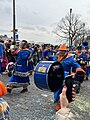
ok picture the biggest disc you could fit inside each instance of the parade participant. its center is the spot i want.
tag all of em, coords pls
(35, 55)
(4, 62)
(30, 60)
(4, 107)
(1, 53)
(87, 59)
(82, 57)
(20, 77)
(10, 57)
(40, 52)
(80, 52)
(48, 54)
(68, 63)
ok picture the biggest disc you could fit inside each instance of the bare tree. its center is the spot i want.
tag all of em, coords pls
(70, 28)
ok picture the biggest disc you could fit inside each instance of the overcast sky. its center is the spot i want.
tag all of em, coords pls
(35, 19)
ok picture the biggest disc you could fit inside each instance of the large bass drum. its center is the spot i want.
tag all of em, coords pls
(49, 75)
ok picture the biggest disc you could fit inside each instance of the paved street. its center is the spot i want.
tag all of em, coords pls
(38, 105)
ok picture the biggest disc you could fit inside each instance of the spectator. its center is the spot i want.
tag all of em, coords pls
(4, 62)
(4, 107)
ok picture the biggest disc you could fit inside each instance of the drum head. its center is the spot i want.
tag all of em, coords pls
(55, 76)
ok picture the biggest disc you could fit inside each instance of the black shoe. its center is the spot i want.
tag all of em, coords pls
(24, 90)
(9, 90)
(57, 101)
(86, 77)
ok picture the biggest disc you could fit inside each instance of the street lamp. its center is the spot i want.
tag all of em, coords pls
(83, 32)
(70, 40)
(14, 29)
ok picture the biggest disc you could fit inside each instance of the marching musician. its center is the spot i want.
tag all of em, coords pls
(68, 63)
(20, 75)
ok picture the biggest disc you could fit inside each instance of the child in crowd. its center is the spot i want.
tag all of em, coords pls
(4, 107)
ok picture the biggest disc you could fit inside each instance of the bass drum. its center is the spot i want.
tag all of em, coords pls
(49, 75)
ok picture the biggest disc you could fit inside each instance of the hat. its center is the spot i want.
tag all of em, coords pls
(3, 89)
(63, 47)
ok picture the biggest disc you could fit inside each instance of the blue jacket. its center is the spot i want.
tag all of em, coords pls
(68, 64)
(22, 60)
(1, 50)
(49, 54)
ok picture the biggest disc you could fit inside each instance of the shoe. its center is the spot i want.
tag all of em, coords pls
(86, 77)
(24, 90)
(4, 73)
(58, 107)
(9, 90)
(56, 101)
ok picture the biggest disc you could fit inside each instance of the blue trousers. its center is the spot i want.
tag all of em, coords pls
(56, 94)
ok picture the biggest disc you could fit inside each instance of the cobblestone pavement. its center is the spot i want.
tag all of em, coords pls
(38, 105)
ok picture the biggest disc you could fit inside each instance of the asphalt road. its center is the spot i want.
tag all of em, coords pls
(37, 104)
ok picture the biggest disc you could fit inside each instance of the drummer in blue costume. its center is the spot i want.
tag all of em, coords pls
(85, 55)
(21, 71)
(68, 63)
